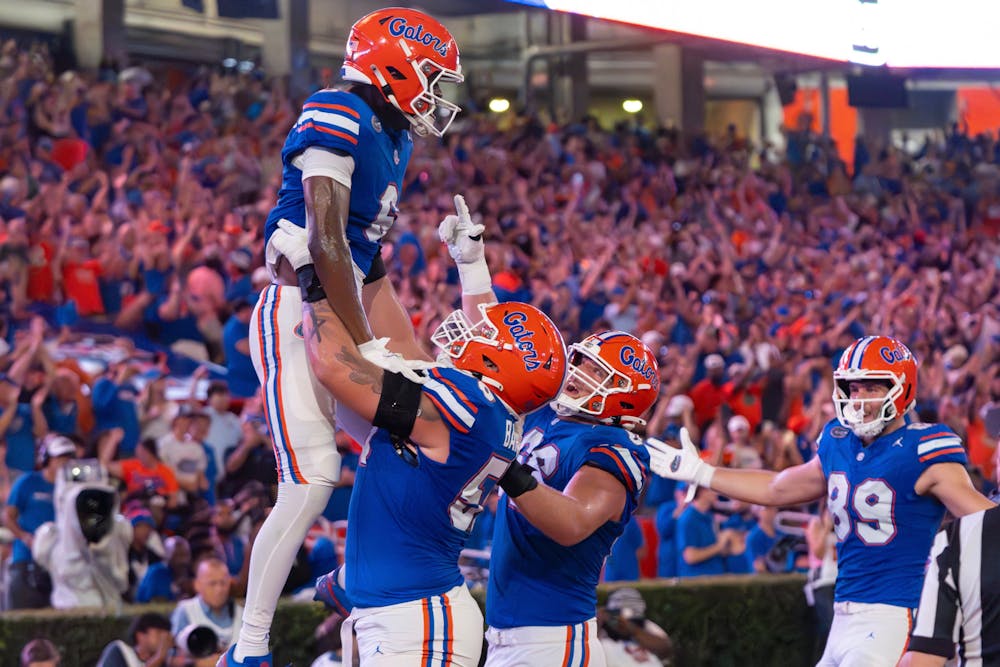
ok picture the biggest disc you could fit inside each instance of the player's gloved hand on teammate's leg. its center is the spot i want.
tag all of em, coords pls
(466, 247)
(376, 352)
(330, 591)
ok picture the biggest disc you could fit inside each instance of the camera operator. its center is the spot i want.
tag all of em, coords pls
(150, 644)
(212, 609)
(628, 637)
(86, 548)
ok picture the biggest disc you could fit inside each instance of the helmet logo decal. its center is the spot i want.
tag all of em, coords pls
(639, 365)
(522, 336)
(398, 27)
(892, 355)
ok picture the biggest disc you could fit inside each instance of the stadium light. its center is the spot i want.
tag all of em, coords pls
(499, 104)
(632, 106)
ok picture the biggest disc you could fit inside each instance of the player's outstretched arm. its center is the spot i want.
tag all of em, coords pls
(917, 659)
(592, 498)
(467, 247)
(327, 210)
(950, 483)
(798, 484)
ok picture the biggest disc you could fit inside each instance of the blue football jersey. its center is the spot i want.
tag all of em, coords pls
(884, 529)
(341, 121)
(534, 580)
(409, 520)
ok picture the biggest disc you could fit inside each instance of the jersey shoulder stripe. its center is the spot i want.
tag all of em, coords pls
(455, 405)
(615, 457)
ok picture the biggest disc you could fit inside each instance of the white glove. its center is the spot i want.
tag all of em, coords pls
(466, 247)
(376, 352)
(684, 464)
(292, 242)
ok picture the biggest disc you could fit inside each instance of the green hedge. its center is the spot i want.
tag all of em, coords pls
(715, 622)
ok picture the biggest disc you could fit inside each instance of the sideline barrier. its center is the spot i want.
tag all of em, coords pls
(716, 622)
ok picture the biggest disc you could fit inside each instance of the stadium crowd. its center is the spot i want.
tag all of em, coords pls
(133, 204)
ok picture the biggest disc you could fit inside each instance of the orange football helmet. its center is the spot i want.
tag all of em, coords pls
(875, 358)
(618, 385)
(406, 54)
(514, 349)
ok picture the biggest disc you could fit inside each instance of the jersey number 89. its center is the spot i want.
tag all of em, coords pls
(872, 500)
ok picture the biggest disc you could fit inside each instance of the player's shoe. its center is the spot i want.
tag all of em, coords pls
(229, 660)
(330, 593)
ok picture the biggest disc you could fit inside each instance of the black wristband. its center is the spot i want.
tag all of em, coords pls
(309, 285)
(517, 480)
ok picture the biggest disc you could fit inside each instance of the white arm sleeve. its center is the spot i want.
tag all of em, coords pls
(320, 162)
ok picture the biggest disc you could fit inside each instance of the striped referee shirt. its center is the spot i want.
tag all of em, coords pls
(960, 603)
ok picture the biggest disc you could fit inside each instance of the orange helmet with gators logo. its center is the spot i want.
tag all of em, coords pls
(612, 377)
(514, 349)
(875, 358)
(406, 54)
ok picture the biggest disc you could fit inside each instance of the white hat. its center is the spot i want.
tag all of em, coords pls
(678, 404)
(715, 361)
(738, 423)
(58, 445)
(652, 339)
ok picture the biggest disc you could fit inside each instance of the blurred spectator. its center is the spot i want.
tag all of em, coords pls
(628, 637)
(701, 548)
(666, 527)
(61, 408)
(622, 563)
(156, 411)
(240, 374)
(149, 643)
(145, 550)
(226, 519)
(170, 579)
(761, 538)
(709, 393)
(115, 400)
(30, 505)
(146, 476)
(184, 456)
(86, 547)
(328, 642)
(224, 431)
(822, 543)
(40, 653)
(212, 607)
(740, 452)
(253, 459)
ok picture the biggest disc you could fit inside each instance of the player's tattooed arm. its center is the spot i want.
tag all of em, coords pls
(332, 352)
(363, 372)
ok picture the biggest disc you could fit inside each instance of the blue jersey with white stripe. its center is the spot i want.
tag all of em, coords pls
(533, 579)
(340, 121)
(408, 523)
(884, 529)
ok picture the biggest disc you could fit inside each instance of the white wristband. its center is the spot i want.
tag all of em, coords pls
(704, 474)
(475, 278)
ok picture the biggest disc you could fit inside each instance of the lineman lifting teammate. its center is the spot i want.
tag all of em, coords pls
(344, 161)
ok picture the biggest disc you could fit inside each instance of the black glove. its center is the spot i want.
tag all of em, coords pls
(517, 480)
